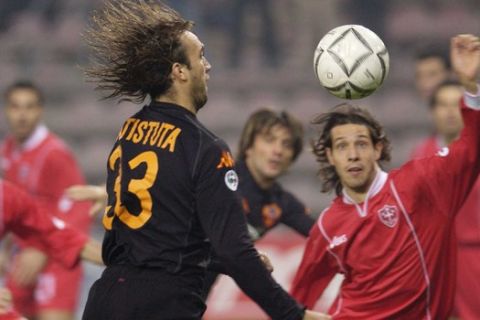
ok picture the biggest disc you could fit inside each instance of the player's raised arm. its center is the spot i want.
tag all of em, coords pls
(27, 220)
(297, 217)
(450, 174)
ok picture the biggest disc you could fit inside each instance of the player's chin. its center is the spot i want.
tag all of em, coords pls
(273, 173)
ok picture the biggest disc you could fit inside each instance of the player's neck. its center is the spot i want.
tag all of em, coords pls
(20, 140)
(359, 194)
(355, 195)
(449, 138)
(263, 182)
(184, 102)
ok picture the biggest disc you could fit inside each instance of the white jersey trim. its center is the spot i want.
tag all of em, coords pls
(329, 240)
(472, 100)
(39, 134)
(375, 187)
(419, 247)
(339, 305)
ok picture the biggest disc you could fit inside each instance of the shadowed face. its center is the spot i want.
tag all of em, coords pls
(23, 112)
(199, 68)
(271, 153)
(429, 73)
(446, 111)
(354, 156)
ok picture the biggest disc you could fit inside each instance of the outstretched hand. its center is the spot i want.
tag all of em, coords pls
(97, 194)
(465, 59)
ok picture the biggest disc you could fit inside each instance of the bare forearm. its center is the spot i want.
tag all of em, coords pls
(92, 251)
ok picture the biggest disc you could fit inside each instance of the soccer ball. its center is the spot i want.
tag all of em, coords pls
(351, 61)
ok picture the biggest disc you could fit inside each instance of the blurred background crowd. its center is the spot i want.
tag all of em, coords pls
(261, 52)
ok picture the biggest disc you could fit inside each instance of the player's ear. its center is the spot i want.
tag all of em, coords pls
(329, 156)
(179, 71)
(378, 150)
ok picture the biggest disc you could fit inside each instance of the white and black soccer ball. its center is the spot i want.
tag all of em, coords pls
(351, 61)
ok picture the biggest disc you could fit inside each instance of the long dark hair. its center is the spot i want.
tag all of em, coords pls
(134, 44)
(344, 114)
(262, 121)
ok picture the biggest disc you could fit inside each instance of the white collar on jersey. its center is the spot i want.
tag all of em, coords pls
(440, 141)
(39, 134)
(375, 188)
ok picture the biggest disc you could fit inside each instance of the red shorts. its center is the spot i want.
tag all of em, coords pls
(57, 288)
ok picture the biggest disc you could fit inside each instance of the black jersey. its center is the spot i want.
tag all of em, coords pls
(171, 186)
(265, 208)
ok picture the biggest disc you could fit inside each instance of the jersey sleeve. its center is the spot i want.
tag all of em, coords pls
(296, 216)
(448, 176)
(30, 222)
(61, 165)
(221, 216)
(315, 271)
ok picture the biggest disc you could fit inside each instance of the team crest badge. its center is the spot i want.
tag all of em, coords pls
(231, 180)
(388, 215)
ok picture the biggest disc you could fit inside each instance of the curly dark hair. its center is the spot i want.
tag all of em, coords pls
(262, 121)
(344, 114)
(134, 44)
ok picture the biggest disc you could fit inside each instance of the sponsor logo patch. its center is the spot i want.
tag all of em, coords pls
(388, 215)
(338, 240)
(443, 152)
(231, 180)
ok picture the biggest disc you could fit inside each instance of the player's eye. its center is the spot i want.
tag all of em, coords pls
(287, 144)
(341, 146)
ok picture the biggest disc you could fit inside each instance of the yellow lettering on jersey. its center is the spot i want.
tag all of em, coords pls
(125, 127)
(156, 134)
(161, 134)
(132, 130)
(139, 134)
(151, 126)
(171, 140)
(166, 127)
(226, 160)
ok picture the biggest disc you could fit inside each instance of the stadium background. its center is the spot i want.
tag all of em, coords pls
(261, 53)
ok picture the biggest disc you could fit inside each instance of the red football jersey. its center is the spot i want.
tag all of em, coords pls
(467, 226)
(21, 215)
(468, 218)
(397, 249)
(45, 167)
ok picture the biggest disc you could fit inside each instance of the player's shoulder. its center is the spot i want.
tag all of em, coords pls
(336, 211)
(425, 148)
(54, 143)
(289, 200)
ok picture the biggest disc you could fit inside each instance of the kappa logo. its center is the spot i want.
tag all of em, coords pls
(226, 160)
(338, 240)
(231, 180)
(388, 215)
